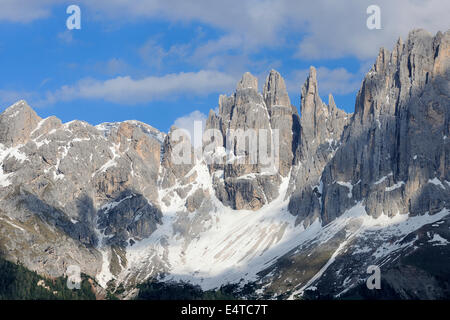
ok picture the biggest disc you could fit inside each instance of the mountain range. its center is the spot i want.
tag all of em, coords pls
(350, 191)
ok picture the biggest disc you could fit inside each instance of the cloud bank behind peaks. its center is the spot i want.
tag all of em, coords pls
(129, 91)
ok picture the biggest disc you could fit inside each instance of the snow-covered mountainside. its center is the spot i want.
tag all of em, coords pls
(346, 191)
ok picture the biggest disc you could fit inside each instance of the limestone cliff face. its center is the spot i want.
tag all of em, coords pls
(395, 153)
(284, 117)
(392, 153)
(391, 159)
(321, 128)
(252, 184)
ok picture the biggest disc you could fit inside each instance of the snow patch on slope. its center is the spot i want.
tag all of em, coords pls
(383, 227)
(235, 245)
(5, 153)
(347, 185)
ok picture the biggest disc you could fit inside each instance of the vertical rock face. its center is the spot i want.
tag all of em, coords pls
(174, 170)
(395, 156)
(392, 152)
(320, 123)
(392, 158)
(274, 92)
(283, 117)
(251, 184)
(321, 129)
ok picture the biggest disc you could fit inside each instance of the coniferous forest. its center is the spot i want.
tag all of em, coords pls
(19, 283)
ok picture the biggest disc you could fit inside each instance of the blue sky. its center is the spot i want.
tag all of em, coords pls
(162, 63)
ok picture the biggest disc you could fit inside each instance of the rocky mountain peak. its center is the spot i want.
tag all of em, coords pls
(310, 99)
(310, 84)
(313, 110)
(331, 103)
(417, 35)
(248, 81)
(17, 123)
(18, 106)
(274, 92)
(401, 74)
(311, 79)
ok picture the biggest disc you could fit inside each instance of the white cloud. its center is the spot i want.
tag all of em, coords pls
(187, 123)
(337, 30)
(25, 11)
(153, 54)
(331, 29)
(255, 19)
(126, 90)
(112, 67)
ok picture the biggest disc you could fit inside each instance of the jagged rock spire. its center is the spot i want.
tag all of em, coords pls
(274, 91)
(310, 99)
(312, 108)
(248, 81)
(331, 103)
